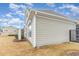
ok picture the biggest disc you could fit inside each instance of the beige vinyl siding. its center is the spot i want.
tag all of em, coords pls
(52, 31)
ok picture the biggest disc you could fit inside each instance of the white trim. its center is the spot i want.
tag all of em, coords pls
(52, 15)
(34, 31)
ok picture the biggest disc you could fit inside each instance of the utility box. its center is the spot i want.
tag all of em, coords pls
(19, 34)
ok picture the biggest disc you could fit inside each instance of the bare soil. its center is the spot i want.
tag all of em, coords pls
(8, 47)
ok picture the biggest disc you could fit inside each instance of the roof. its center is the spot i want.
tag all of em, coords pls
(53, 13)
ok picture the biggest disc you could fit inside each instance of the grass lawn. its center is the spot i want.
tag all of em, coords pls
(9, 47)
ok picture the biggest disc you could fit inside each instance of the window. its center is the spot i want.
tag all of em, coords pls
(30, 33)
(29, 28)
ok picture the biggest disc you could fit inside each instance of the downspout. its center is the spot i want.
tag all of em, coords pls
(35, 30)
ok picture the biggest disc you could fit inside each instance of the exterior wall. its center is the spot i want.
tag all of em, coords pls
(52, 31)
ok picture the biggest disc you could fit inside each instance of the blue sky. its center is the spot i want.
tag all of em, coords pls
(12, 14)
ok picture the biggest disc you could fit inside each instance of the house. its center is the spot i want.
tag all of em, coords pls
(9, 30)
(43, 27)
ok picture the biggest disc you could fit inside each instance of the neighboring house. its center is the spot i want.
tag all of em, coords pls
(1, 31)
(45, 27)
(9, 30)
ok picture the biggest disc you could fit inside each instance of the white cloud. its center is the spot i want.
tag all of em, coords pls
(12, 22)
(8, 15)
(23, 6)
(9, 19)
(16, 6)
(51, 4)
(75, 9)
(5, 24)
(15, 21)
(72, 10)
(13, 6)
(3, 20)
(20, 13)
(29, 4)
(0, 20)
(18, 9)
(71, 7)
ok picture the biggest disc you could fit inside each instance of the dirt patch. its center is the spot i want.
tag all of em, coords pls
(72, 53)
(10, 48)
